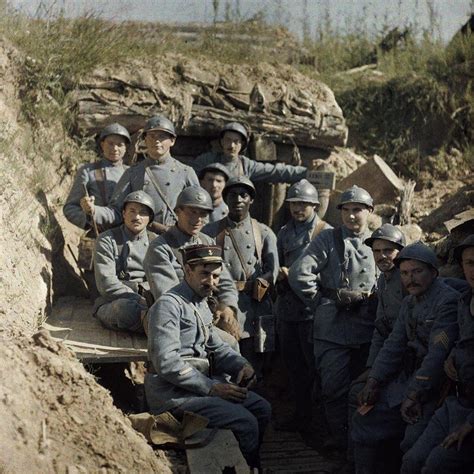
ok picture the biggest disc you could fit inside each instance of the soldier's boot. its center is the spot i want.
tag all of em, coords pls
(365, 458)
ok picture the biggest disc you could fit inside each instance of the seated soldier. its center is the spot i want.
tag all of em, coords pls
(403, 386)
(213, 178)
(251, 256)
(118, 265)
(233, 139)
(159, 175)
(294, 320)
(180, 338)
(164, 263)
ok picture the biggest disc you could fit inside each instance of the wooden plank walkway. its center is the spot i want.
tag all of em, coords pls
(283, 452)
(72, 323)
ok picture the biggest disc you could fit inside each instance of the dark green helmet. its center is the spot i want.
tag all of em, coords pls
(356, 195)
(238, 128)
(387, 232)
(158, 122)
(459, 249)
(114, 129)
(195, 196)
(303, 191)
(142, 198)
(418, 251)
(239, 181)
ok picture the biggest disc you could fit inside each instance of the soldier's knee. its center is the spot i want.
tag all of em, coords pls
(439, 461)
(412, 462)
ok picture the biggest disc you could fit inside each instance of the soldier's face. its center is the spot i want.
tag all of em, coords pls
(354, 216)
(468, 265)
(135, 217)
(301, 211)
(113, 148)
(214, 184)
(231, 143)
(384, 254)
(239, 201)
(203, 279)
(158, 143)
(191, 219)
(416, 276)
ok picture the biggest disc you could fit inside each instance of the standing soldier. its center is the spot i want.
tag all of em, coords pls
(164, 261)
(404, 383)
(159, 175)
(92, 189)
(213, 178)
(182, 377)
(234, 139)
(251, 256)
(446, 444)
(294, 320)
(335, 277)
(118, 264)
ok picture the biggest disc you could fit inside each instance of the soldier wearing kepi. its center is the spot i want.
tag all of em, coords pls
(446, 444)
(335, 277)
(164, 262)
(159, 175)
(234, 139)
(403, 386)
(250, 255)
(294, 320)
(100, 178)
(118, 264)
(181, 336)
(213, 178)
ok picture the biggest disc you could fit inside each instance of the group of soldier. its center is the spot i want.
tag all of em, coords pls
(363, 322)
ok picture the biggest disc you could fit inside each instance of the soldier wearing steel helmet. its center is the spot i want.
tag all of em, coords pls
(335, 277)
(294, 320)
(213, 179)
(159, 175)
(118, 266)
(251, 257)
(99, 178)
(234, 139)
(164, 263)
(403, 386)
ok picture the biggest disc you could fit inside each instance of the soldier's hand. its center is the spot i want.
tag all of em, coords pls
(457, 436)
(246, 377)
(370, 393)
(450, 368)
(362, 377)
(348, 298)
(227, 321)
(229, 391)
(283, 273)
(87, 205)
(158, 228)
(411, 411)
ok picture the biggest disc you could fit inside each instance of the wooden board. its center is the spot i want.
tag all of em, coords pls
(322, 179)
(72, 323)
(221, 453)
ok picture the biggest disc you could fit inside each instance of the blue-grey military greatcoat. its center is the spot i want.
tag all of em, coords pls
(118, 267)
(341, 335)
(169, 176)
(254, 170)
(100, 178)
(219, 212)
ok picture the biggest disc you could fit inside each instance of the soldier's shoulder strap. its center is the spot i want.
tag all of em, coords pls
(339, 243)
(257, 235)
(172, 241)
(318, 228)
(117, 235)
(99, 176)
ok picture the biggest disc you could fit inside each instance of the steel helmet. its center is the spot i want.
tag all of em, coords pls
(239, 181)
(459, 249)
(418, 251)
(303, 191)
(114, 129)
(158, 122)
(195, 196)
(356, 195)
(387, 232)
(142, 198)
(215, 167)
(238, 128)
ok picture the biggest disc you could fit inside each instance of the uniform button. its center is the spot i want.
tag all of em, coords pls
(129, 258)
(167, 184)
(365, 256)
(249, 262)
(362, 285)
(247, 232)
(228, 265)
(363, 270)
(249, 246)
(146, 182)
(226, 248)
